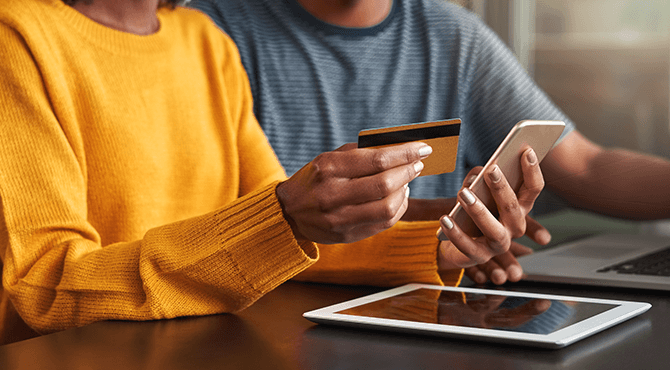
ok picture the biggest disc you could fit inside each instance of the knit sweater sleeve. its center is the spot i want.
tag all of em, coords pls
(58, 272)
(405, 253)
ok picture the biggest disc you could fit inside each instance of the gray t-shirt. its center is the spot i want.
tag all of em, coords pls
(316, 85)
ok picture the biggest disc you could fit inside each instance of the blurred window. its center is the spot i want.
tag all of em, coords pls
(606, 63)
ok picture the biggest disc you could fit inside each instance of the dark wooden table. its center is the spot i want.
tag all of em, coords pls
(272, 334)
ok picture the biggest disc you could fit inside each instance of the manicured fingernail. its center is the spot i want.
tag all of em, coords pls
(425, 151)
(468, 197)
(532, 158)
(495, 174)
(418, 166)
(446, 222)
(470, 180)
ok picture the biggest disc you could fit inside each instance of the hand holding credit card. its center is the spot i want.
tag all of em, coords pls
(442, 136)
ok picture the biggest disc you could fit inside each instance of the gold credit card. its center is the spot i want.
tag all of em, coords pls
(442, 136)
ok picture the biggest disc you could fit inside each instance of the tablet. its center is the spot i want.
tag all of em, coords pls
(540, 320)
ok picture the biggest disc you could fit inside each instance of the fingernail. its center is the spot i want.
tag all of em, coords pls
(495, 174)
(468, 197)
(470, 180)
(418, 166)
(406, 191)
(532, 158)
(446, 222)
(425, 151)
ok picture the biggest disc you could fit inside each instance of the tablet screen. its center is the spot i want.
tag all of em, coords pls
(481, 310)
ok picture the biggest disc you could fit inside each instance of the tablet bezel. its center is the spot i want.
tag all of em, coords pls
(557, 339)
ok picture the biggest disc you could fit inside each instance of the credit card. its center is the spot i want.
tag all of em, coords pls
(442, 136)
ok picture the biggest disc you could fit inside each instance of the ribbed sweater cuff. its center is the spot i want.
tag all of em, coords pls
(413, 253)
(249, 239)
(406, 253)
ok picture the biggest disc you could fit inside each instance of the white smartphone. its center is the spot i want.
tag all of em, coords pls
(539, 135)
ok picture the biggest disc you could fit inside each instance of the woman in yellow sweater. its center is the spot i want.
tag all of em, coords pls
(135, 183)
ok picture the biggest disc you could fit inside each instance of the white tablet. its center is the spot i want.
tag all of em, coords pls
(540, 320)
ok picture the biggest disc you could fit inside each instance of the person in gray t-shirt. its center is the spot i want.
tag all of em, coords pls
(320, 71)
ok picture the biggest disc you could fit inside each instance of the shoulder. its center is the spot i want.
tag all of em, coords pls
(29, 14)
(442, 13)
(189, 19)
(198, 28)
(31, 26)
(452, 23)
(445, 22)
(239, 16)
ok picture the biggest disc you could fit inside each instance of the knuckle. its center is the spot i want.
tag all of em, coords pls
(512, 207)
(324, 204)
(535, 183)
(476, 254)
(331, 223)
(388, 213)
(380, 160)
(323, 167)
(517, 231)
(383, 186)
(537, 186)
(500, 243)
(480, 258)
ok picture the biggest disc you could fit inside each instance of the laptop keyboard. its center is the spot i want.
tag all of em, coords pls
(656, 263)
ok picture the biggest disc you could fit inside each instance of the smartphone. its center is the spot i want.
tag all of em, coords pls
(539, 135)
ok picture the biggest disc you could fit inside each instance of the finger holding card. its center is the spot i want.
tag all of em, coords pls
(350, 194)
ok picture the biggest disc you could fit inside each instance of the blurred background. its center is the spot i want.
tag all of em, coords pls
(605, 63)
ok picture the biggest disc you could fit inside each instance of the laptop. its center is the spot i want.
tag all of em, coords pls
(617, 260)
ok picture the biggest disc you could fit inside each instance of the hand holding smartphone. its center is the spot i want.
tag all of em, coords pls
(539, 135)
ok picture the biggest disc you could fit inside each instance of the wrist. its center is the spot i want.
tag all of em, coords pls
(284, 198)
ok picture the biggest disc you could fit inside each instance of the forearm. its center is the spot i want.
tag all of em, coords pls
(215, 263)
(619, 183)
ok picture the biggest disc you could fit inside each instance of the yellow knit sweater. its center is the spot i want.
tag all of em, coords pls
(136, 184)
